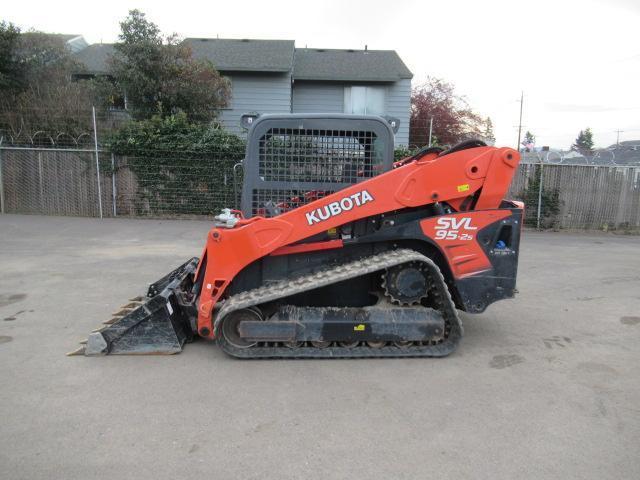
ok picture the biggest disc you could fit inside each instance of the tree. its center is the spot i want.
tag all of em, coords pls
(12, 73)
(453, 119)
(160, 76)
(37, 94)
(529, 141)
(537, 196)
(584, 143)
(488, 134)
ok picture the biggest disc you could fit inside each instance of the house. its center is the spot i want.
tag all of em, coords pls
(94, 60)
(73, 42)
(259, 72)
(374, 82)
(273, 76)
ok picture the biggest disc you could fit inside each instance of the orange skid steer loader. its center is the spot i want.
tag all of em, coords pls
(337, 250)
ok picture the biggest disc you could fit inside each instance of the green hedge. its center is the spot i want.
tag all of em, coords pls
(181, 167)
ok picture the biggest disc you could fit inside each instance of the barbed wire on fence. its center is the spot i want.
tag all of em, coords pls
(36, 127)
(46, 128)
(621, 156)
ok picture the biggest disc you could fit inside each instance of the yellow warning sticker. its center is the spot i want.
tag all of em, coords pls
(332, 231)
(463, 187)
(358, 328)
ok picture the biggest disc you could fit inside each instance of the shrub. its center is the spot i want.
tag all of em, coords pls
(550, 199)
(181, 167)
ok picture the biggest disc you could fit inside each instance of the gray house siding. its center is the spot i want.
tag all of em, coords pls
(318, 97)
(257, 92)
(398, 105)
(272, 76)
(326, 97)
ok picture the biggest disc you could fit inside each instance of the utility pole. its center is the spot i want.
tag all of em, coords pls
(520, 122)
(618, 138)
(430, 129)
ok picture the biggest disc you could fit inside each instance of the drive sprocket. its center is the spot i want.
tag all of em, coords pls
(406, 284)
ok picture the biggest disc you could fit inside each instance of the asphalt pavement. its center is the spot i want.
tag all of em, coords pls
(543, 386)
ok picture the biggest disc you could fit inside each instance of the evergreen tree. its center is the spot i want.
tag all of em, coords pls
(160, 76)
(549, 201)
(584, 143)
(12, 72)
(489, 136)
(529, 141)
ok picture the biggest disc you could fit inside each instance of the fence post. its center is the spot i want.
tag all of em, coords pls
(95, 139)
(1, 180)
(539, 197)
(40, 184)
(113, 184)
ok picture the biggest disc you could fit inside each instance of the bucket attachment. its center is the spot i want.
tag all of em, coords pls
(157, 324)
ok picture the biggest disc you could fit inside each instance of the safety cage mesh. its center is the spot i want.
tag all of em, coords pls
(317, 155)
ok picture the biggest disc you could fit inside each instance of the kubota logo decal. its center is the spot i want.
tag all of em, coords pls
(448, 228)
(336, 208)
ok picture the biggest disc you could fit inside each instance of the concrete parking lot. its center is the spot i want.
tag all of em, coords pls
(543, 386)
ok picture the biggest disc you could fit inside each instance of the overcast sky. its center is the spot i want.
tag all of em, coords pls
(577, 61)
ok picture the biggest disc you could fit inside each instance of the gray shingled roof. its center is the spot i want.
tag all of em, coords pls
(65, 37)
(349, 65)
(95, 58)
(244, 55)
(276, 56)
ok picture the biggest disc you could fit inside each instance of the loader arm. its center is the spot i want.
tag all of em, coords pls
(482, 173)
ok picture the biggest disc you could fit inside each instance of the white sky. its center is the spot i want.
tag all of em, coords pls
(578, 61)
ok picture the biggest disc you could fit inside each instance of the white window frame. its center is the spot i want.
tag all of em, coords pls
(369, 108)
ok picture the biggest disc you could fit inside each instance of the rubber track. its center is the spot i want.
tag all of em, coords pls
(453, 330)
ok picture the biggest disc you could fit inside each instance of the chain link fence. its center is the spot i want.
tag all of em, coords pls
(53, 182)
(67, 173)
(68, 182)
(176, 186)
(52, 163)
(588, 197)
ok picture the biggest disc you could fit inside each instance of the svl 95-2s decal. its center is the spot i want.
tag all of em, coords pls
(452, 228)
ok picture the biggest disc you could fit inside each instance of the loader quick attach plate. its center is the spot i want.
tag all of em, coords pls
(156, 325)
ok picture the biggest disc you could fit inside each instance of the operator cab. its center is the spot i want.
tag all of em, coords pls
(294, 159)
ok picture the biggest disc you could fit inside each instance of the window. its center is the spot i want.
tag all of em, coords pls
(364, 100)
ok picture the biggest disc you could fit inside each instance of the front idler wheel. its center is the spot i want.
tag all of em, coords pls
(231, 324)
